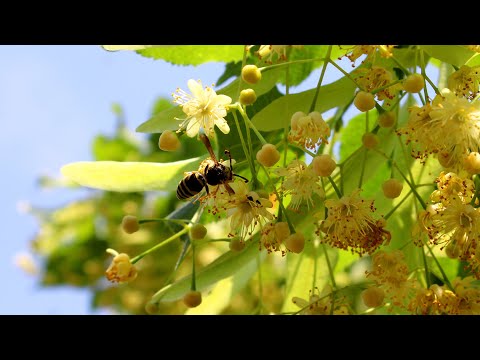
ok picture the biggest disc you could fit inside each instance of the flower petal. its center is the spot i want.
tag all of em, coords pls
(193, 127)
(222, 125)
(195, 88)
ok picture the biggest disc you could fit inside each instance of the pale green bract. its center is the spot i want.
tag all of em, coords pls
(225, 266)
(129, 176)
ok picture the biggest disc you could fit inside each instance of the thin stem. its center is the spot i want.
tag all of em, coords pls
(427, 272)
(329, 265)
(269, 67)
(364, 160)
(346, 74)
(397, 206)
(320, 80)
(249, 122)
(162, 244)
(304, 150)
(285, 130)
(337, 191)
(445, 278)
(244, 61)
(373, 92)
(404, 177)
(194, 285)
(177, 221)
(245, 150)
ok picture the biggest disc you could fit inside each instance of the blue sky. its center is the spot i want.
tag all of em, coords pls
(53, 100)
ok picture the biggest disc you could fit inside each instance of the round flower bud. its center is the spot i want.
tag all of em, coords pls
(413, 83)
(364, 101)
(472, 163)
(323, 165)
(192, 299)
(295, 118)
(387, 119)
(130, 224)
(295, 242)
(251, 74)
(370, 140)
(151, 308)
(168, 141)
(198, 232)
(268, 155)
(247, 97)
(373, 297)
(392, 188)
(236, 245)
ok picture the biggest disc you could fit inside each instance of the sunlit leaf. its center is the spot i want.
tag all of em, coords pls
(129, 176)
(223, 292)
(127, 47)
(280, 111)
(453, 54)
(223, 267)
(301, 269)
(195, 54)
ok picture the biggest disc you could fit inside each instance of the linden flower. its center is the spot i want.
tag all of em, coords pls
(450, 187)
(273, 236)
(121, 269)
(423, 226)
(475, 48)
(439, 300)
(370, 50)
(308, 130)
(458, 223)
(268, 52)
(204, 109)
(377, 77)
(465, 81)
(450, 125)
(390, 272)
(246, 210)
(350, 225)
(320, 303)
(300, 182)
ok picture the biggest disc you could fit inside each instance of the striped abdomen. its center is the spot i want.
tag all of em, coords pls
(190, 185)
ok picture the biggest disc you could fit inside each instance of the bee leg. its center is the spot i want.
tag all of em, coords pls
(229, 189)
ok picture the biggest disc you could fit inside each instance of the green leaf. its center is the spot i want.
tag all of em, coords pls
(231, 69)
(128, 47)
(279, 112)
(297, 73)
(225, 266)
(129, 176)
(300, 272)
(195, 54)
(453, 54)
(165, 120)
(449, 266)
(474, 60)
(221, 295)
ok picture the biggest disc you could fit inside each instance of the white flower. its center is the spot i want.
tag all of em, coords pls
(204, 109)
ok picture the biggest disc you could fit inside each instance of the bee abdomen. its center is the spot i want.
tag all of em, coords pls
(190, 185)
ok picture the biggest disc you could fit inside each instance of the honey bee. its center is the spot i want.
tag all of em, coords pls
(212, 172)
